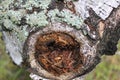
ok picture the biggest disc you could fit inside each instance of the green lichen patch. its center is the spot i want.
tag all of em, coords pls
(71, 19)
(12, 12)
(21, 33)
(5, 4)
(8, 24)
(15, 16)
(66, 16)
(37, 19)
(43, 4)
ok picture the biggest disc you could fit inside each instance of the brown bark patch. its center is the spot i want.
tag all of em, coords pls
(101, 28)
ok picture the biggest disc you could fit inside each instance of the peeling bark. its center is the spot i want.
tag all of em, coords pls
(60, 39)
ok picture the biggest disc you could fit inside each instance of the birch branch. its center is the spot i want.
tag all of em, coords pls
(59, 39)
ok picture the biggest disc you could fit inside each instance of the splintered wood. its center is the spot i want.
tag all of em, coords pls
(58, 53)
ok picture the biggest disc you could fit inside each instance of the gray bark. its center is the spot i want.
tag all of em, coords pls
(59, 39)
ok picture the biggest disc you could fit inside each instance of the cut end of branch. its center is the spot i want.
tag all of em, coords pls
(58, 53)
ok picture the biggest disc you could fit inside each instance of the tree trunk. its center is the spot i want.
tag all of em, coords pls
(59, 39)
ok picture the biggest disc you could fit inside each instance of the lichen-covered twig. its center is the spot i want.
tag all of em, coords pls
(59, 39)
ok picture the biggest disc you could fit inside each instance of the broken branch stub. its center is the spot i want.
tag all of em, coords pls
(59, 52)
(60, 39)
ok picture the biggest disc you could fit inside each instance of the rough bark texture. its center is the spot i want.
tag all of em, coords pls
(59, 39)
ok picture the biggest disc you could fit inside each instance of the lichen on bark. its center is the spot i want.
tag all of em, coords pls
(86, 21)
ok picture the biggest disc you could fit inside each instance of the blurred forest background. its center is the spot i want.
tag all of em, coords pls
(108, 69)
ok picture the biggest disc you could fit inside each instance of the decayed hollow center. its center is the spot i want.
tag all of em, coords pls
(58, 53)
